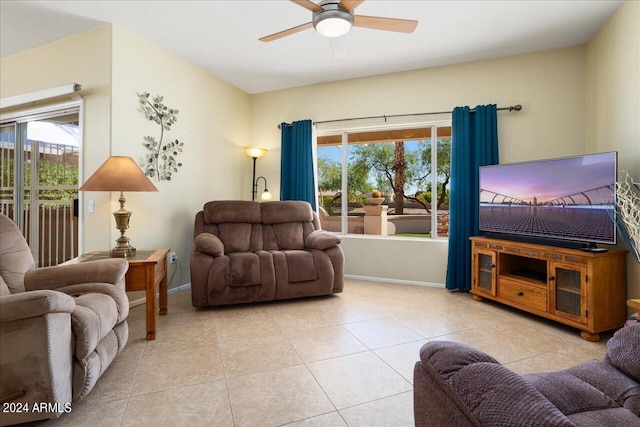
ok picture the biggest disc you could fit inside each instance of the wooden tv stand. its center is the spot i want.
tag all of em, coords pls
(586, 290)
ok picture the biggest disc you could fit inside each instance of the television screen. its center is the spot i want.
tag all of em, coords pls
(570, 198)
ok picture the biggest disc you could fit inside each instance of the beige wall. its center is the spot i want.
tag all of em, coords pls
(112, 65)
(85, 59)
(213, 123)
(613, 100)
(549, 85)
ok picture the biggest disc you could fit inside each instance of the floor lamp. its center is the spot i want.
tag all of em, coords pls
(255, 154)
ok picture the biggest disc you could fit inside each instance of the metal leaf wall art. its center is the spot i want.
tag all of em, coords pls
(161, 160)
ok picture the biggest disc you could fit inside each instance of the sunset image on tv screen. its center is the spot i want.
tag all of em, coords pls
(569, 198)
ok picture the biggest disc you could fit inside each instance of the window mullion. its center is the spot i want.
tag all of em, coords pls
(344, 200)
(434, 182)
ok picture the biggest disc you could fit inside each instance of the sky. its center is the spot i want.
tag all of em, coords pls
(551, 179)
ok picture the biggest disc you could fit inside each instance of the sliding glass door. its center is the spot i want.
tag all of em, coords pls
(39, 165)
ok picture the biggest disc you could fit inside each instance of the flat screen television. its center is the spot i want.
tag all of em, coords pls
(568, 201)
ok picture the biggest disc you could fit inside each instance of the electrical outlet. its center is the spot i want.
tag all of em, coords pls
(173, 258)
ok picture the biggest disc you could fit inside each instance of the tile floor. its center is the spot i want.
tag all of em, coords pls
(340, 360)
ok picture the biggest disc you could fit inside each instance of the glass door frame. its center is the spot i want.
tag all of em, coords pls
(21, 116)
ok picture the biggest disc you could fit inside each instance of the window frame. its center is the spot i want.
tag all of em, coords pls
(323, 131)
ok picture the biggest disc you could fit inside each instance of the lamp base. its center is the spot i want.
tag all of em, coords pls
(123, 248)
(123, 252)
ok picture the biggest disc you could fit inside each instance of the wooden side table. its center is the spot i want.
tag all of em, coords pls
(147, 272)
(634, 303)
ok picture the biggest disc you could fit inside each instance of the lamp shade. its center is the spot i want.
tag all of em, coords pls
(118, 173)
(266, 196)
(256, 153)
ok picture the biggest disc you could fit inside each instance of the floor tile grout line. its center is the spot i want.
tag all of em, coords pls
(376, 400)
(133, 384)
(392, 368)
(392, 313)
(321, 388)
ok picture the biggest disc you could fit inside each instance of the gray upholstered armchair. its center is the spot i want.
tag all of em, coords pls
(60, 327)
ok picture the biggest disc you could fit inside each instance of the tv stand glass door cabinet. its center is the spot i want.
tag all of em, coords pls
(486, 272)
(584, 290)
(568, 298)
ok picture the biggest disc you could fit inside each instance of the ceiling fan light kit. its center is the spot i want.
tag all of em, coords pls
(333, 18)
(333, 21)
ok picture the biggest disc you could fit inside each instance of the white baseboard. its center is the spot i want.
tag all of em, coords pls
(396, 281)
(179, 288)
(143, 300)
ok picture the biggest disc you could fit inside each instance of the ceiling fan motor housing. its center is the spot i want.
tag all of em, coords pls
(333, 21)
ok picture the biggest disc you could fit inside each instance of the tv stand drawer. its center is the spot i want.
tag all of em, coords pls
(522, 294)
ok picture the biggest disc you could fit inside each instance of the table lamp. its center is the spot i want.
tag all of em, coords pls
(120, 173)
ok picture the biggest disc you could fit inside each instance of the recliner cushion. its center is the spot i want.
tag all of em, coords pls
(225, 211)
(617, 417)
(93, 318)
(235, 237)
(289, 236)
(569, 394)
(606, 378)
(245, 269)
(16, 257)
(4, 289)
(499, 397)
(286, 211)
(301, 266)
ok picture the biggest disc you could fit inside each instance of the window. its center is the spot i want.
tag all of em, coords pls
(380, 182)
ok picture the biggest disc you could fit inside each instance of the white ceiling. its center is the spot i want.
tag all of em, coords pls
(222, 36)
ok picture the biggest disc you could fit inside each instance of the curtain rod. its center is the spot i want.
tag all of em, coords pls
(517, 107)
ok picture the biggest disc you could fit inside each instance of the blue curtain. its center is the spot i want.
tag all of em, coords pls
(474, 143)
(296, 167)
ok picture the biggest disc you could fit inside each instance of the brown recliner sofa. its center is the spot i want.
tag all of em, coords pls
(249, 251)
(456, 385)
(60, 328)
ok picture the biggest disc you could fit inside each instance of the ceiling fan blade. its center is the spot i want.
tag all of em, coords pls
(309, 5)
(339, 47)
(286, 32)
(350, 4)
(387, 24)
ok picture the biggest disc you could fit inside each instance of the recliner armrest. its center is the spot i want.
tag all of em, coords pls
(208, 244)
(322, 240)
(100, 271)
(33, 304)
(623, 351)
(119, 295)
(493, 394)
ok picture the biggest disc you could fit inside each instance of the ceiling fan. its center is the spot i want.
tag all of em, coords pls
(334, 18)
